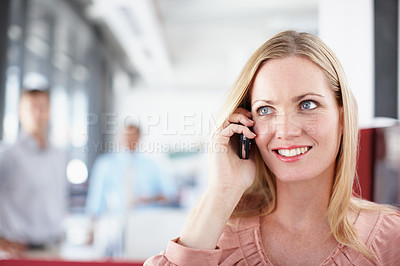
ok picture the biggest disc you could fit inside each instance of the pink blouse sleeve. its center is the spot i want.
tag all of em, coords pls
(176, 254)
(386, 242)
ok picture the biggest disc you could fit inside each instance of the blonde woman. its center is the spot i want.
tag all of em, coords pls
(291, 202)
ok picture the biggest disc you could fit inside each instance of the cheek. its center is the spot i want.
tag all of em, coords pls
(262, 142)
(264, 136)
(262, 127)
(325, 130)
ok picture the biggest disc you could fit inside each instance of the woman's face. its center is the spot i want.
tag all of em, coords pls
(297, 119)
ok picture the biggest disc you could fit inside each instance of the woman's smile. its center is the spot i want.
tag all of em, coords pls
(292, 153)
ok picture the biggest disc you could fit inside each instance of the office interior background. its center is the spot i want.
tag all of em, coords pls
(167, 65)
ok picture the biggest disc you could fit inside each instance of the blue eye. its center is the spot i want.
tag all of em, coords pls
(265, 110)
(308, 105)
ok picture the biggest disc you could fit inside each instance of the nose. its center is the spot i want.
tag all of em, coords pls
(287, 127)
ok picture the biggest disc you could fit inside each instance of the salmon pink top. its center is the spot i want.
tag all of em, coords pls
(240, 244)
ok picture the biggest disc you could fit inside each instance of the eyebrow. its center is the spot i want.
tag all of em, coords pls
(294, 99)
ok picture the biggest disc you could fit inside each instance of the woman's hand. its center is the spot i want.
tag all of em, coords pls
(229, 173)
(229, 177)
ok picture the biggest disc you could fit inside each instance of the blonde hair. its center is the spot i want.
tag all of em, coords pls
(262, 194)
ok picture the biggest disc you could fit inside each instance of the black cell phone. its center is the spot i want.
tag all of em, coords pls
(244, 147)
(245, 143)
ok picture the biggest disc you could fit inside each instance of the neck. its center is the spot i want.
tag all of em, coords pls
(40, 137)
(302, 205)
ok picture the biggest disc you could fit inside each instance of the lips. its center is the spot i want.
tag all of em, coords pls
(291, 153)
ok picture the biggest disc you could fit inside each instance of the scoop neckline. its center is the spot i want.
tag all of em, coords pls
(335, 252)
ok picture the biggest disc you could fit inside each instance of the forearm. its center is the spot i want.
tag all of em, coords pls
(207, 221)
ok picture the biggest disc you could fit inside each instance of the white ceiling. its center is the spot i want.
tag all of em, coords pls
(198, 44)
(210, 40)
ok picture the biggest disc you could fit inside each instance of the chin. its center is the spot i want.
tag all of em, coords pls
(291, 177)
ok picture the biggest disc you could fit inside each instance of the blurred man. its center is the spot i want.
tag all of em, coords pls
(32, 183)
(120, 181)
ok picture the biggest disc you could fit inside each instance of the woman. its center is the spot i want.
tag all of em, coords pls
(291, 202)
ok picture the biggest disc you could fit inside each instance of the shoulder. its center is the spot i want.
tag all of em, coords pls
(373, 224)
(386, 233)
(380, 231)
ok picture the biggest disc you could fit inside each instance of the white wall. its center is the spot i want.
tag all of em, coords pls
(347, 26)
(171, 116)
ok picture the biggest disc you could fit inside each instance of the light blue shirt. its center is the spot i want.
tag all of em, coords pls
(32, 192)
(108, 181)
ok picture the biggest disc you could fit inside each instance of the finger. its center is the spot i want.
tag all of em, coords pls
(237, 118)
(243, 111)
(240, 115)
(225, 135)
(241, 118)
(237, 129)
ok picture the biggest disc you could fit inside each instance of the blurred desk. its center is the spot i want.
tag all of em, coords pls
(149, 231)
(144, 233)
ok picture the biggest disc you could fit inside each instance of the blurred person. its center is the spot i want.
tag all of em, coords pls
(112, 172)
(32, 183)
(125, 180)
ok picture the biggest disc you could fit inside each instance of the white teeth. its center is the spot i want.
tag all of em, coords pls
(292, 152)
